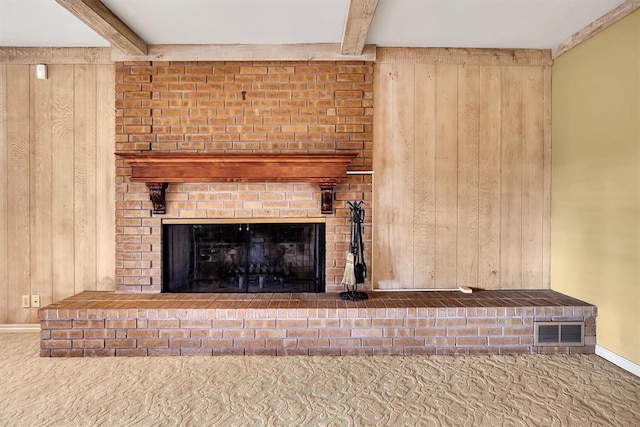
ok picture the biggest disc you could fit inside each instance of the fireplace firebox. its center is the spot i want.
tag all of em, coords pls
(244, 257)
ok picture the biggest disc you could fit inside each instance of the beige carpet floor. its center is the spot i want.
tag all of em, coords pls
(316, 391)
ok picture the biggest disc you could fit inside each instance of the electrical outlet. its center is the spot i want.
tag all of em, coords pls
(25, 301)
(35, 300)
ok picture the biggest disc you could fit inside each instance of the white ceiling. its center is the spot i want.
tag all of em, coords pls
(417, 23)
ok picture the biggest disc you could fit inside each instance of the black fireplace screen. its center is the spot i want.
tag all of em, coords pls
(266, 257)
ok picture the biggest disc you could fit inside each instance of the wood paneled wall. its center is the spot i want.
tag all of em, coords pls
(462, 169)
(57, 184)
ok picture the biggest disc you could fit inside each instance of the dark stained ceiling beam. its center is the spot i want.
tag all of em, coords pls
(356, 27)
(104, 22)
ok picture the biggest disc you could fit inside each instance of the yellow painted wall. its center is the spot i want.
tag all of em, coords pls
(595, 199)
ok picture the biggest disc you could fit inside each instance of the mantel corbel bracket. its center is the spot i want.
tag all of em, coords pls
(156, 194)
(328, 193)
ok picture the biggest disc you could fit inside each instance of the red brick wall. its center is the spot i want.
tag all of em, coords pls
(238, 106)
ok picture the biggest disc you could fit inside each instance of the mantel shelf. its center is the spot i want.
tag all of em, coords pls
(157, 169)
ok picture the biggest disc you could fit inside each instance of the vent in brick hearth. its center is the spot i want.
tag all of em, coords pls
(559, 333)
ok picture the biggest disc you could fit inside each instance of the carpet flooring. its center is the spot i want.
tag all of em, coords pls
(532, 390)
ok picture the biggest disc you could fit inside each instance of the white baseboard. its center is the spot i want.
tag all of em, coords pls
(625, 364)
(19, 328)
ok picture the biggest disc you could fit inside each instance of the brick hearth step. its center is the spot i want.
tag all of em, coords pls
(392, 323)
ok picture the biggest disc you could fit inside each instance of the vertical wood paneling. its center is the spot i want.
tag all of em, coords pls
(105, 165)
(84, 191)
(546, 186)
(33, 312)
(403, 176)
(63, 181)
(468, 214)
(18, 132)
(490, 124)
(399, 159)
(532, 176)
(57, 184)
(424, 214)
(5, 304)
(481, 182)
(511, 216)
(41, 168)
(446, 175)
(383, 269)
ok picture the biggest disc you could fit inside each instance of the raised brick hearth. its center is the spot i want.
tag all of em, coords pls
(397, 323)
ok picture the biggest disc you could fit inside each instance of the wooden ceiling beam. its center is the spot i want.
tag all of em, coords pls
(356, 26)
(246, 52)
(55, 55)
(104, 22)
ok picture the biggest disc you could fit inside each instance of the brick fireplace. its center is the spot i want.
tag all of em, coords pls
(256, 108)
(238, 107)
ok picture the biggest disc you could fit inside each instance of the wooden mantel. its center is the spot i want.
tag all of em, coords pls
(157, 169)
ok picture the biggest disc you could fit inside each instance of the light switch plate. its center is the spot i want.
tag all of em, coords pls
(41, 72)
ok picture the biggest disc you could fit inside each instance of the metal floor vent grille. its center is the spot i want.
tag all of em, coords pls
(559, 333)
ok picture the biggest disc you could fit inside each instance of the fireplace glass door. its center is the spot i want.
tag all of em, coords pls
(264, 257)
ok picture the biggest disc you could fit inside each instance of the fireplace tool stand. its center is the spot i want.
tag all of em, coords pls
(355, 270)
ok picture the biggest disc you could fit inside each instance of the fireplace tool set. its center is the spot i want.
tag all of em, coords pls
(355, 270)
